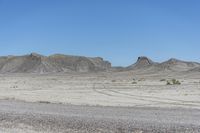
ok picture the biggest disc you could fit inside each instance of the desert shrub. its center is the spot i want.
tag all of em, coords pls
(173, 82)
(163, 80)
(134, 82)
(176, 82)
(168, 83)
(142, 79)
(45, 102)
(113, 80)
(15, 86)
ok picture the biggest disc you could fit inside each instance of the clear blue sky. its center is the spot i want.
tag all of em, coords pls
(117, 30)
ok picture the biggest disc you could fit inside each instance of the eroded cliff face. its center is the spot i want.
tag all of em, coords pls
(36, 63)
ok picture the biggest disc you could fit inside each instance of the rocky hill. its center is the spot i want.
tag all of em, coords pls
(178, 65)
(144, 63)
(35, 63)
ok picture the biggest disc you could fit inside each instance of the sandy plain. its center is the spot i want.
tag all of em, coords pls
(101, 90)
(141, 100)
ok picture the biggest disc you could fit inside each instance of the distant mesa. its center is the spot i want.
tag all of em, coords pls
(144, 63)
(60, 63)
(36, 63)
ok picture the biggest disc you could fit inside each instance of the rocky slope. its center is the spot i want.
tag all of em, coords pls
(142, 62)
(35, 63)
(178, 65)
(145, 64)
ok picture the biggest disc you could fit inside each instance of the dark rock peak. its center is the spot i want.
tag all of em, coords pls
(36, 55)
(143, 60)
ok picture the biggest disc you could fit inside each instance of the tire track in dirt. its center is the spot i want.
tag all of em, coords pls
(155, 100)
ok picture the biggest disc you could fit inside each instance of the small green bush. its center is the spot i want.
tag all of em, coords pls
(173, 82)
(176, 82)
(169, 83)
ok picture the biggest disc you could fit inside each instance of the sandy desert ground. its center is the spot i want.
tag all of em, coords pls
(101, 89)
(21, 94)
(22, 117)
